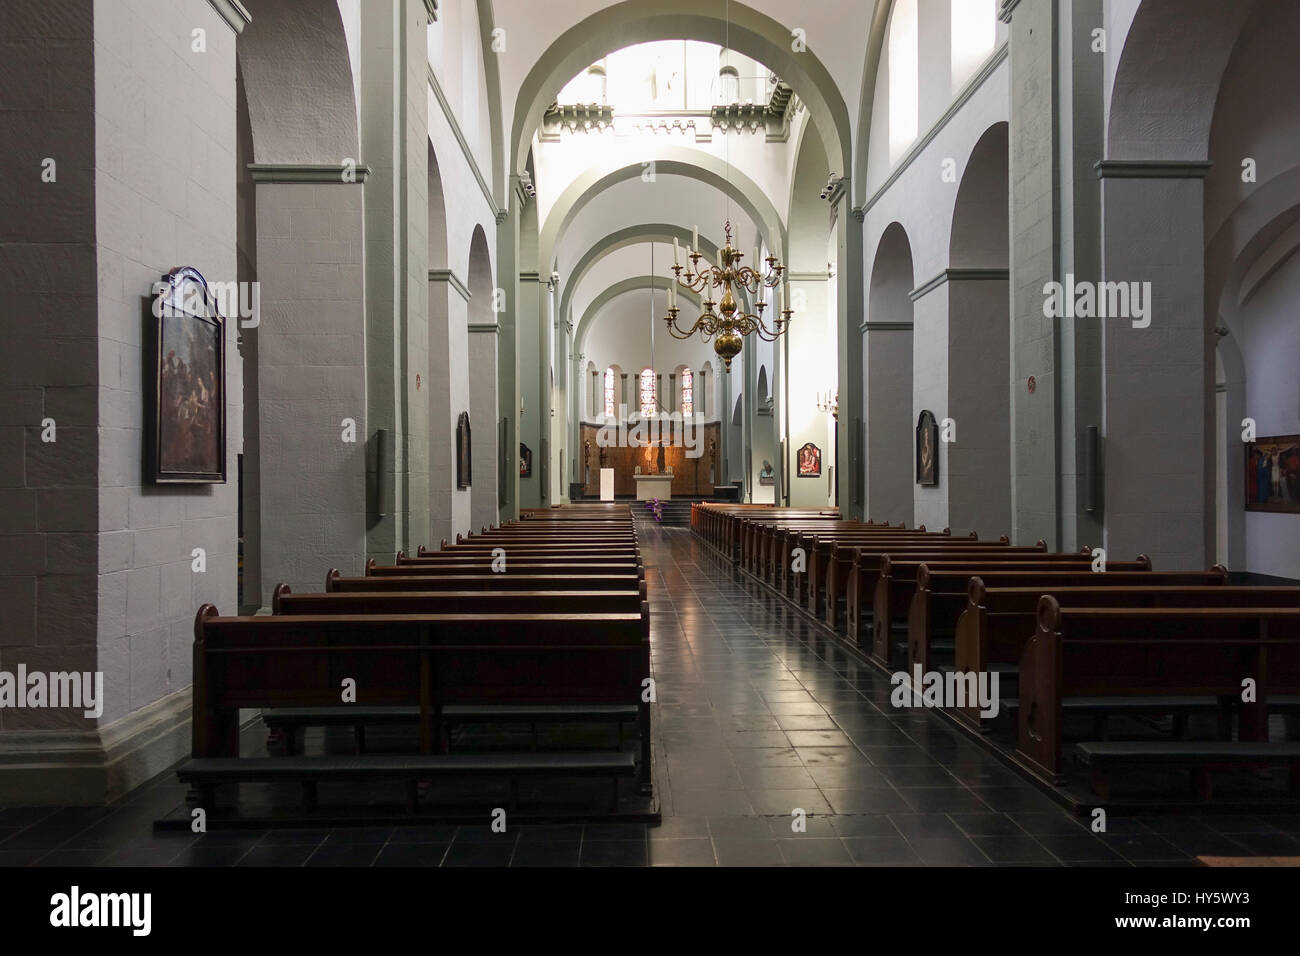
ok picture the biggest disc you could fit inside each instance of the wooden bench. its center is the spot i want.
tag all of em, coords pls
(998, 621)
(284, 722)
(473, 566)
(896, 584)
(860, 586)
(1149, 652)
(205, 774)
(425, 660)
(487, 581)
(1201, 757)
(943, 593)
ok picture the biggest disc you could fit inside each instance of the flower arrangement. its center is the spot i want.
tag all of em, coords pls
(656, 508)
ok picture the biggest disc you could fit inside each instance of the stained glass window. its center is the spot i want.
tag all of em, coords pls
(648, 403)
(609, 393)
(688, 393)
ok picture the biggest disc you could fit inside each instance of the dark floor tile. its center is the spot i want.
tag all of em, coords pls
(1138, 848)
(276, 856)
(776, 778)
(613, 853)
(881, 851)
(950, 851)
(814, 851)
(943, 800)
(411, 854)
(986, 824)
(1013, 849)
(865, 801)
(476, 853)
(344, 854)
(710, 803)
(1020, 798)
(691, 851)
(679, 827)
(747, 852)
(548, 853)
(855, 777)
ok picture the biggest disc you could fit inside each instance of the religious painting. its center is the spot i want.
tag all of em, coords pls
(1273, 474)
(186, 394)
(766, 474)
(463, 450)
(525, 461)
(927, 449)
(809, 461)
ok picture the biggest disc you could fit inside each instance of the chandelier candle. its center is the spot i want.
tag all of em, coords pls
(728, 327)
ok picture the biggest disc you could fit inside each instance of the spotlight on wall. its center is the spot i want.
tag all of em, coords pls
(832, 188)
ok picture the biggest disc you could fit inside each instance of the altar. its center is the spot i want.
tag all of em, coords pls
(653, 486)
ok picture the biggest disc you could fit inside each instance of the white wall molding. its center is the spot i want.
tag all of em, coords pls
(233, 12)
(468, 153)
(959, 275)
(336, 173)
(1152, 168)
(453, 280)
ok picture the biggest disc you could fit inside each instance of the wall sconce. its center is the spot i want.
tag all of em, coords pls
(829, 402)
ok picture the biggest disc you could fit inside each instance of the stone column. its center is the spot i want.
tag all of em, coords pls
(1158, 385)
(394, 140)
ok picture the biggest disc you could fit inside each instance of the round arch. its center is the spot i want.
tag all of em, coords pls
(628, 23)
(298, 76)
(628, 236)
(630, 284)
(1167, 79)
(887, 363)
(668, 160)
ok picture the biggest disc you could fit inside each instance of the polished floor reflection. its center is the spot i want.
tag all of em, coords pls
(760, 721)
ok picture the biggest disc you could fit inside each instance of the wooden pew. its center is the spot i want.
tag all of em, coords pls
(284, 722)
(1118, 652)
(484, 565)
(943, 593)
(864, 562)
(896, 583)
(998, 621)
(487, 581)
(424, 660)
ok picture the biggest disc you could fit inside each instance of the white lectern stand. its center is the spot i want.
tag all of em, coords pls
(607, 484)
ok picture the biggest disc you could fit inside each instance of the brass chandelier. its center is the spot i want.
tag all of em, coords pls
(730, 324)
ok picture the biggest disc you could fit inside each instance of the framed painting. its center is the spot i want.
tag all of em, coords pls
(809, 461)
(464, 449)
(927, 449)
(1273, 474)
(186, 387)
(525, 461)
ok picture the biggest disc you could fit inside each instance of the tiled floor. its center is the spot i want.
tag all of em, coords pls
(758, 716)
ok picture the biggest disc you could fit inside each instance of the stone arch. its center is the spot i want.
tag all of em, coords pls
(1252, 239)
(447, 380)
(887, 361)
(976, 466)
(628, 23)
(621, 239)
(810, 348)
(1167, 77)
(301, 99)
(297, 129)
(629, 284)
(484, 500)
(668, 160)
